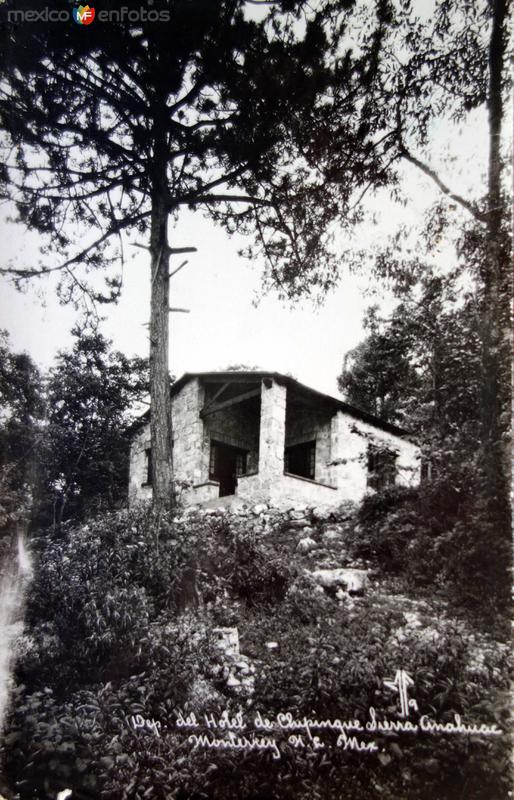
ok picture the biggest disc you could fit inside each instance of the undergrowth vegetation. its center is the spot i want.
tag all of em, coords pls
(120, 622)
(439, 538)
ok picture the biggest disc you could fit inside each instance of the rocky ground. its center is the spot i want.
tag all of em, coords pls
(321, 542)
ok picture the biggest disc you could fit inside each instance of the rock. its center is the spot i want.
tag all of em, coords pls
(260, 508)
(272, 645)
(233, 682)
(201, 693)
(209, 511)
(227, 639)
(339, 529)
(346, 510)
(297, 514)
(331, 537)
(298, 523)
(321, 513)
(353, 580)
(306, 544)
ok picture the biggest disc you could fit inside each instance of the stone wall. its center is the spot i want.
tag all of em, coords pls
(290, 489)
(207, 492)
(350, 441)
(286, 490)
(341, 450)
(188, 435)
(190, 463)
(305, 424)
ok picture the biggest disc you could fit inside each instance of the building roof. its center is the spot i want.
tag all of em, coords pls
(250, 376)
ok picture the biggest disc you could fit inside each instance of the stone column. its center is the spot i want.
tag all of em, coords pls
(272, 433)
(348, 457)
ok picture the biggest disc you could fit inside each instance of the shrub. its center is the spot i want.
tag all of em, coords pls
(439, 536)
(119, 618)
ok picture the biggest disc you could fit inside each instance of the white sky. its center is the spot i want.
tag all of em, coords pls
(218, 286)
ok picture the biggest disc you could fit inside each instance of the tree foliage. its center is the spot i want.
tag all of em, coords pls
(378, 375)
(273, 125)
(420, 367)
(21, 411)
(91, 393)
(277, 126)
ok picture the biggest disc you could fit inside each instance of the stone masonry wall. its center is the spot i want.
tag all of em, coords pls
(307, 425)
(350, 440)
(188, 436)
(188, 444)
(341, 450)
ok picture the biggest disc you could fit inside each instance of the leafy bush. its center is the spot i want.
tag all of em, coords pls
(439, 536)
(119, 618)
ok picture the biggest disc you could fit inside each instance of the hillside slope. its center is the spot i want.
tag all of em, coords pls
(136, 622)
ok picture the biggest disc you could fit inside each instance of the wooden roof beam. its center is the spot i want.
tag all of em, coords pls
(212, 408)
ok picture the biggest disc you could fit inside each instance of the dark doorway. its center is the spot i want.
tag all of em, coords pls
(226, 464)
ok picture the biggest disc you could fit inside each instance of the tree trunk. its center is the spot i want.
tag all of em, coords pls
(496, 331)
(160, 401)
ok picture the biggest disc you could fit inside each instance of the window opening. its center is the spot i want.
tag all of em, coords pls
(381, 467)
(300, 459)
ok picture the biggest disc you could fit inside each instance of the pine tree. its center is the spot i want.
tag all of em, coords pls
(114, 127)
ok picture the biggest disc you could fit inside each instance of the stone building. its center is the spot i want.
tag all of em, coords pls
(265, 437)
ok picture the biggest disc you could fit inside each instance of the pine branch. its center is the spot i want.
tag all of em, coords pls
(114, 230)
(225, 198)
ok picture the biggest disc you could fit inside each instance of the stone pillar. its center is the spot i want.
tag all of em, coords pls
(188, 440)
(272, 433)
(348, 457)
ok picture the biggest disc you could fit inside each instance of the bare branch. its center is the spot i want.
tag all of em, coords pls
(178, 268)
(172, 251)
(192, 196)
(471, 207)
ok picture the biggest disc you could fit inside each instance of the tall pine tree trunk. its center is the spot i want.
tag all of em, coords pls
(160, 402)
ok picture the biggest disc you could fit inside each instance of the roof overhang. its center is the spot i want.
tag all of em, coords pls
(256, 377)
